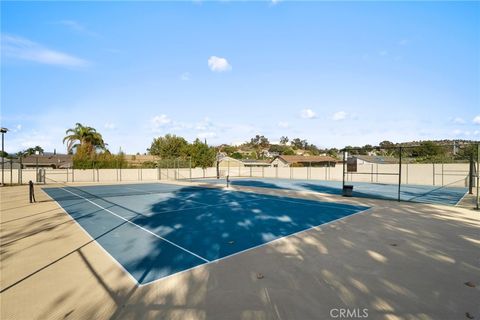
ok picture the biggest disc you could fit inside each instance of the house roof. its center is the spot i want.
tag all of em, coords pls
(227, 158)
(314, 159)
(376, 159)
(254, 161)
(48, 159)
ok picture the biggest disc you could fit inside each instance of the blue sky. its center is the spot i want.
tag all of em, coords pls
(336, 74)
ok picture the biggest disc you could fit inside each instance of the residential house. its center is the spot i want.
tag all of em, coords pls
(304, 161)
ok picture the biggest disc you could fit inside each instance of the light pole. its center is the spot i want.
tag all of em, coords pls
(3, 131)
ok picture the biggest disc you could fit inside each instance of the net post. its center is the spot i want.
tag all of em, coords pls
(399, 171)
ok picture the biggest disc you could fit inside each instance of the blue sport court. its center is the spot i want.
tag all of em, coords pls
(414, 193)
(156, 230)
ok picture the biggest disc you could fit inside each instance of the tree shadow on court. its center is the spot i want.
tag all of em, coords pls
(404, 261)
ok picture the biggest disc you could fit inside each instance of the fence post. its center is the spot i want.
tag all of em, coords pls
(343, 170)
(20, 172)
(407, 174)
(399, 172)
(442, 175)
(36, 169)
(478, 177)
(11, 171)
(470, 176)
(190, 167)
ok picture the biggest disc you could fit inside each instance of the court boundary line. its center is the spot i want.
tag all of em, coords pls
(317, 227)
(322, 204)
(92, 240)
(138, 284)
(456, 204)
(138, 226)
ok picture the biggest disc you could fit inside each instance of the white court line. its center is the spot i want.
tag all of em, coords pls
(138, 226)
(216, 260)
(255, 247)
(320, 204)
(92, 240)
(456, 204)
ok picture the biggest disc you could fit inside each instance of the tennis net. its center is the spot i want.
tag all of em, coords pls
(106, 190)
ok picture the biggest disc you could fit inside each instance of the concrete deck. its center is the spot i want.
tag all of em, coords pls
(397, 260)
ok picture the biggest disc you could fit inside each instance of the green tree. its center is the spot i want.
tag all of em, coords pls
(284, 140)
(201, 154)
(236, 155)
(298, 143)
(258, 143)
(288, 152)
(169, 146)
(85, 136)
(30, 151)
(229, 150)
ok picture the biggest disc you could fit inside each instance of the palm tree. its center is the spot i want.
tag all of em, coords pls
(82, 135)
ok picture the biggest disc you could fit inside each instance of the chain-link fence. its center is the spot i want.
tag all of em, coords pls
(436, 168)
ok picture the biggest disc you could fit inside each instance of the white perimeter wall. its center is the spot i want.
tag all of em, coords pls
(452, 174)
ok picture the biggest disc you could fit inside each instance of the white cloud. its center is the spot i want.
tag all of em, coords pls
(17, 128)
(76, 26)
(218, 64)
(462, 133)
(110, 125)
(458, 120)
(24, 49)
(307, 114)
(274, 2)
(383, 52)
(205, 135)
(283, 124)
(205, 124)
(476, 120)
(159, 122)
(185, 76)
(340, 115)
